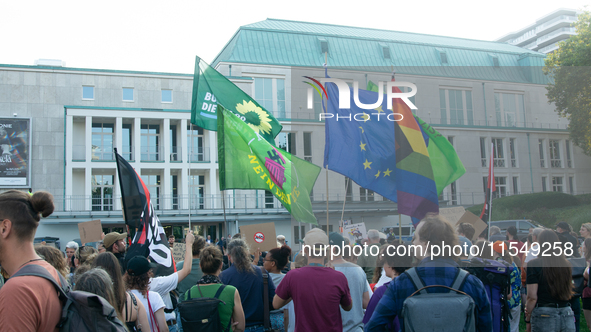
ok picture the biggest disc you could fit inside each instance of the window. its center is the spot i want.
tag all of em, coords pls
(501, 184)
(555, 161)
(348, 189)
(365, 194)
(150, 137)
(569, 162)
(127, 94)
(197, 191)
(458, 105)
(541, 148)
(544, 184)
(515, 185)
(557, 183)
(166, 96)
(88, 92)
(483, 151)
(153, 183)
(269, 200)
(512, 152)
(174, 150)
(287, 142)
(196, 150)
(299, 232)
(308, 147)
(102, 141)
(126, 138)
(498, 155)
(450, 139)
(174, 191)
(508, 107)
(454, 193)
(102, 192)
(571, 185)
(270, 94)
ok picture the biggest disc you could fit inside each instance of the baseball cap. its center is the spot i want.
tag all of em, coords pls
(316, 236)
(139, 265)
(564, 225)
(336, 239)
(112, 238)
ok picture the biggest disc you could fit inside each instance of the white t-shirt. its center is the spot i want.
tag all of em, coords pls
(155, 301)
(357, 280)
(383, 279)
(163, 286)
(533, 252)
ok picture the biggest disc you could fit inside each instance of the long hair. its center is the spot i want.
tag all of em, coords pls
(556, 269)
(108, 262)
(86, 255)
(280, 255)
(140, 282)
(97, 281)
(238, 250)
(55, 257)
(587, 252)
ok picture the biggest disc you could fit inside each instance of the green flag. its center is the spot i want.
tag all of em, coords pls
(247, 161)
(211, 88)
(447, 166)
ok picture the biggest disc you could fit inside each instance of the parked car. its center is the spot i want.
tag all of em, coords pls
(522, 225)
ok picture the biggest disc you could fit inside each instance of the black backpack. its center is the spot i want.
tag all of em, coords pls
(81, 311)
(201, 314)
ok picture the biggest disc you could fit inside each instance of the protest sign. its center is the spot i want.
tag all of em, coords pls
(90, 231)
(473, 220)
(355, 232)
(178, 252)
(261, 236)
(452, 214)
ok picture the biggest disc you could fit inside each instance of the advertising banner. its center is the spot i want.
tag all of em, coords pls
(15, 161)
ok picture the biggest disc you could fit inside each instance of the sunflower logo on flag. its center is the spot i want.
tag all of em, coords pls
(256, 117)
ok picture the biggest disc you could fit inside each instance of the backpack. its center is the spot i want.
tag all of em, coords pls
(496, 277)
(201, 314)
(81, 311)
(579, 265)
(451, 311)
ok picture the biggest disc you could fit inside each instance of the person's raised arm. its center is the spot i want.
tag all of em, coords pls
(184, 272)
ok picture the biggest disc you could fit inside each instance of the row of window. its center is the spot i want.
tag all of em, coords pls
(557, 184)
(499, 158)
(128, 94)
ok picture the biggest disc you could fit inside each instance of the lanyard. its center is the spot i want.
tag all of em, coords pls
(316, 264)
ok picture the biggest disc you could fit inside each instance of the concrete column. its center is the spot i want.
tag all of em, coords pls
(88, 188)
(165, 148)
(136, 146)
(119, 134)
(69, 147)
(88, 139)
(183, 141)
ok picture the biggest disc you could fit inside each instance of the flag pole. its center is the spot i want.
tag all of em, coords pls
(327, 199)
(491, 178)
(223, 192)
(345, 200)
(189, 174)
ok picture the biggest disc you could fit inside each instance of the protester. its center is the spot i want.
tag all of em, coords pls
(208, 239)
(84, 255)
(549, 289)
(430, 233)
(465, 234)
(367, 261)
(248, 279)
(495, 234)
(585, 230)
(133, 312)
(564, 229)
(393, 266)
(517, 249)
(289, 310)
(100, 246)
(275, 261)
(231, 313)
(358, 286)
(171, 240)
(586, 296)
(316, 290)
(27, 303)
(501, 251)
(534, 249)
(71, 248)
(191, 279)
(55, 257)
(281, 239)
(97, 281)
(115, 243)
(137, 279)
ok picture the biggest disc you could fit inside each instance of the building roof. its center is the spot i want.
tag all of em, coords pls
(293, 43)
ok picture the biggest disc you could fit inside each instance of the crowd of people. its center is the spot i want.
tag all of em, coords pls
(313, 289)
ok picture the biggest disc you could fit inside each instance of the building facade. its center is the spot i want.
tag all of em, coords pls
(475, 93)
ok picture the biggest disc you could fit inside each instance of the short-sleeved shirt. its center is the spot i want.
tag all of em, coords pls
(225, 309)
(535, 276)
(277, 277)
(393, 326)
(155, 302)
(356, 279)
(317, 293)
(163, 286)
(30, 303)
(250, 288)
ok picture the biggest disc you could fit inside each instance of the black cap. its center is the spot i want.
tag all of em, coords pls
(336, 239)
(564, 226)
(139, 265)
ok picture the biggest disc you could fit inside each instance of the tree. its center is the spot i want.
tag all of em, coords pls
(570, 68)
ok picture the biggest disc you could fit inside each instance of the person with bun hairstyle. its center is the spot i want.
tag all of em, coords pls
(27, 303)
(274, 262)
(231, 313)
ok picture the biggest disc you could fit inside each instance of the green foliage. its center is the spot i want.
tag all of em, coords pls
(570, 68)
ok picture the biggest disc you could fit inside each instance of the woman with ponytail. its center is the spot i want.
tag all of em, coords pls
(248, 279)
(274, 262)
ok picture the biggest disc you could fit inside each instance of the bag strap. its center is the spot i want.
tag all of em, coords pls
(414, 278)
(266, 317)
(460, 278)
(152, 314)
(219, 292)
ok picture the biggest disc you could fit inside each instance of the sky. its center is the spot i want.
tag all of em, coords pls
(165, 36)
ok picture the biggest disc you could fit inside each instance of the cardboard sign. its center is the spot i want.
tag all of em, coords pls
(90, 231)
(452, 214)
(178, 252)
(475, 221)
(261, 236)
(355, 232)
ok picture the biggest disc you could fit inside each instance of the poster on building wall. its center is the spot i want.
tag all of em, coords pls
(15, 146)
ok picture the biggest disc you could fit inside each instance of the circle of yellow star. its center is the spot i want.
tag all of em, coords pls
(366, 164)
(362, 146)
(365, 117)
(387, 172)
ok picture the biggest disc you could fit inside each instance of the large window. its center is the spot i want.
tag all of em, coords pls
(102, 192)
(569, 162)
(126, 139)
(541, 149)
(555, 160)
(270, 93)
(127, 94)
(483, 157)
(498, 155)
(102, 141)
(153, 184)
(308, 147)
(150, 144)
(456, 107)
(365, 194)
(287, 142)
(269, 200)
(508, 108)
(512, 152)
(174, 149)
(500, 183)
(195, 144)
(557, 183)
(197, 191)
(166, 96)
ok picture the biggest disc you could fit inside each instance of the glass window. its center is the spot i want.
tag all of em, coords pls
(541, 149)
(555, 160)
(269, 200)
(166, 96)
(308, 147)
(102, 141)
(348, 189)
(197, 191)
(150, 137)
(483, 152)
(569, 162)
(557, 183)
(88, 92)
(153, 184)
(458, 103)
(498, 155)
(127, 94)
(512, 152)
(196, 150)
(270, 94)
(287, 142)
(102, 192)
(454, 193)
(544, 184)
(507, 109)
(126, 139)
(365, 194)
(515, 185)
(501, 184)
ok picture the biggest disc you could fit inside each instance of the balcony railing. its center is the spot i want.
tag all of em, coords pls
(513, 163)
(555, 163)
(150, 153)
(555, 33)
(127, 153)
(199, 155)
(102, 154)
(483, 162)
(542, 163)
(175, 153)
(498, 162)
